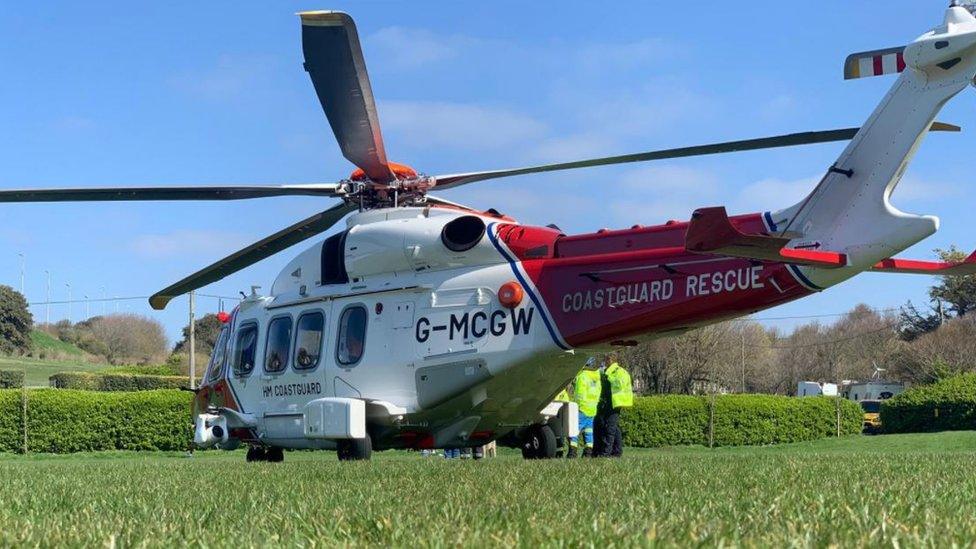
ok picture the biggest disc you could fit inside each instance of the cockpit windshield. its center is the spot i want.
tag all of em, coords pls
(219, 355)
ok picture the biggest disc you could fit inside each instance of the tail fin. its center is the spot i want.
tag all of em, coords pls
(849, 211)
(874, 63)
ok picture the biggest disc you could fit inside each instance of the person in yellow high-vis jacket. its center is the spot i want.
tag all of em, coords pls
(617, 393)
(571, 442)
(586, 390)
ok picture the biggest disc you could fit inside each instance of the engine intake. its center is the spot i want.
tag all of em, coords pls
(463, 233)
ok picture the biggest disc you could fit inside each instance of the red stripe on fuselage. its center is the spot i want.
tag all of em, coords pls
(615, 285)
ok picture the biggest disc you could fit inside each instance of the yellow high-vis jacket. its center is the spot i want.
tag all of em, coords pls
(587, 389)
(621, 389)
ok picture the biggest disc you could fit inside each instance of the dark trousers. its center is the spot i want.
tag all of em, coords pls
(610, 438)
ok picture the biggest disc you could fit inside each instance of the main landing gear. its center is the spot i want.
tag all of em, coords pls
(355, 449)
(539, 442)
(261, 453)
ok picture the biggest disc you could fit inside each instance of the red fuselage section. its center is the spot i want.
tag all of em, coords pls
(612, 286)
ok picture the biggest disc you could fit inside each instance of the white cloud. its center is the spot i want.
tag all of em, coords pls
(567, 148)
(610, 56)
(915, 189)
(458, 126)
(778, 107)
(188, 242)
(73, 124)
(232, 75)
(772, 194)
(404, 48)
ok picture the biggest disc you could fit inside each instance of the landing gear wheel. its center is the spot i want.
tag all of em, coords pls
(539, 442)
(275, 455)
(355, 449)
(256, 453)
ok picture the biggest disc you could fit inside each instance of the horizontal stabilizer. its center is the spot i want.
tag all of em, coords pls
(919, 266)
(874, 63)
(712, 232)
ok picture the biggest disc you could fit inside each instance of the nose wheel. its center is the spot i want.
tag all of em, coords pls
(539, 442)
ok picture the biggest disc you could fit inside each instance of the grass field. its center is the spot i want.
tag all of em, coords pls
(892, 490)
(39, 370)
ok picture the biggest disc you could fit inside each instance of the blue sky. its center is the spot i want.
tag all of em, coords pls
(114, 93)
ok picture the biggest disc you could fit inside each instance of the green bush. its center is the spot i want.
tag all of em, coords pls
(11, 379)
(160, 370)
(63, 421)
(739, 420)
(949, 405)
(669, 420)
(88, 381)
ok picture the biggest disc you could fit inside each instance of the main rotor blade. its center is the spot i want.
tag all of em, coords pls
(303, 230)
(789, 140)
(110, 194)
(334, 61)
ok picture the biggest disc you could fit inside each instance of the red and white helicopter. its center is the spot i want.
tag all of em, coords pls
(428, 324)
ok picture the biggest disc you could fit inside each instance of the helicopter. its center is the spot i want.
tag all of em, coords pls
(426, 324)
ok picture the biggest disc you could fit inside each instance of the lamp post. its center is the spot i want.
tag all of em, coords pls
(47, 314)
(68, 286)
(23, 264)
(103, 300)
(87, 307)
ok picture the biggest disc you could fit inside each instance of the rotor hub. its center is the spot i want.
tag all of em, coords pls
(400, 171)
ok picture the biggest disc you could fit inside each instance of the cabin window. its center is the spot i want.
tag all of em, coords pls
(245, 349)
(352, 335)
(334, 259)
(308, 340)
(279, 342)
(218, 356)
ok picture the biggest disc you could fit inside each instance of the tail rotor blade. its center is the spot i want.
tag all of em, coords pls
(334, 61)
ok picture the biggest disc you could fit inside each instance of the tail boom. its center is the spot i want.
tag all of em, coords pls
(850, 210)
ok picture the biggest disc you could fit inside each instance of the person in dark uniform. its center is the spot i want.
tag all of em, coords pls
(616, 393)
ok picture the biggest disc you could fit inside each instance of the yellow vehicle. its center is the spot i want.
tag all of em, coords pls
(872, 416)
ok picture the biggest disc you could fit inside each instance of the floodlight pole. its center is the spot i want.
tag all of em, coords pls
(47, 314)
(193, 343)
(23, 264)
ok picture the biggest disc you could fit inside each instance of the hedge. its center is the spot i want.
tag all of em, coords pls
(11, 379)
(739, 420)
(115, 382)
(949, 405)
(63, 421)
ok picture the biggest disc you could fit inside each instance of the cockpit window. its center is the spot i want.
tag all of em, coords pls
(245, 349)
(308, 340)
(218, 355)
(279, 342)
(352, 335)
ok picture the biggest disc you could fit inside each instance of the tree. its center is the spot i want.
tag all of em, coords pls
(207, 329)
(131, 339)
(958, 292)
(15, 322)
(915, 324)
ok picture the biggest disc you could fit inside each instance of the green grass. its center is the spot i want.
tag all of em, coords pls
(39, 370)
(43, 341)
(905, 490)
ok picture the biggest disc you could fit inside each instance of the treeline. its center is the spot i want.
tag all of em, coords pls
(907, 344)
(118, 338)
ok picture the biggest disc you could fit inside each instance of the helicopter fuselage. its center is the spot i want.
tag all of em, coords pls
(446, 361)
